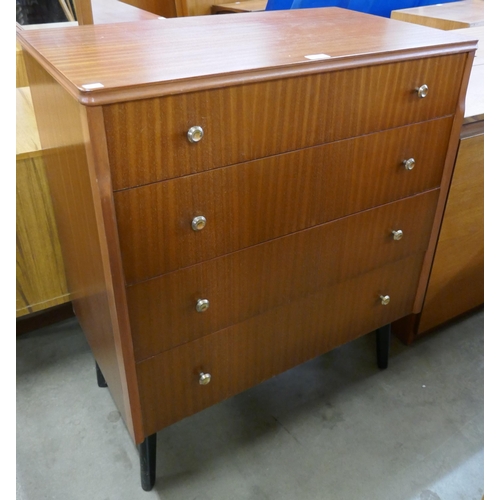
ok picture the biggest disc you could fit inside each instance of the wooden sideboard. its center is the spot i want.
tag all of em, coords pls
(456, 283)
(228, 211)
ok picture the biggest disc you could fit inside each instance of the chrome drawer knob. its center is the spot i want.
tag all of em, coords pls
(422, 91)
(198, 223)
(205, 378)
(385, 299)
(409, 163)
(195, 134)
(202, 305)
(397, 235)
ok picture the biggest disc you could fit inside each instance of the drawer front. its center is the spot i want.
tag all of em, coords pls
(257, 201)
(163, 311)
(147, 139)
(246, 354)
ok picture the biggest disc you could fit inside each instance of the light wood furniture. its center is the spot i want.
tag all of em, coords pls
(448, 16)
(40, 276)
(456, 283)
(224, 219)
(243, 6)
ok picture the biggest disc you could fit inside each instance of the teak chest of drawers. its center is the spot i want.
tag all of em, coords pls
(236, 195)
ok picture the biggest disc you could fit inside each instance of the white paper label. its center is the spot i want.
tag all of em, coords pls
(317, 57)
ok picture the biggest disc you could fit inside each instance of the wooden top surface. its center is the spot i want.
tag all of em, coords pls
(100, 64)
(468, 13)
(242, 6)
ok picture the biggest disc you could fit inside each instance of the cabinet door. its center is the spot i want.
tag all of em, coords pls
(457, 279)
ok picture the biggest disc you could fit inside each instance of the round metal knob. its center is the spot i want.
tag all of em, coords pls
(385, 299)
(409, 163)
(205, 378)
(202, 305)
(198, 223)
(397, 235)
(195, 134)
(422, 91)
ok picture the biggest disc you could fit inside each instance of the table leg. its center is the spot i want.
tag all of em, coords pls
(147, 452)
(101, 381)
(383, 346)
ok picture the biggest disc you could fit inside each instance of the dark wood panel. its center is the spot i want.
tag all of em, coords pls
(257, 201)
(163, 312)
(456, 283)
(164, 8)
(46, 317)
(252, 121)
(251, 352)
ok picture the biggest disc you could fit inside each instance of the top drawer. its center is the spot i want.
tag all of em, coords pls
(147, 139)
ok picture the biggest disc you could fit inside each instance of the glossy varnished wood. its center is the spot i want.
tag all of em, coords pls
(253, 121)
(63, 125)
(456, 284)
(249, 353)
(172, 56)
(127, 99)
(244, 284)
(246, 204)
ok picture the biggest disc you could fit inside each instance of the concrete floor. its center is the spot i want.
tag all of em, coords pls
(333, 428)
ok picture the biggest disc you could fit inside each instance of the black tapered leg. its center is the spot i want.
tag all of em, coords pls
(383, 346)
(147, 453)
(101, 381)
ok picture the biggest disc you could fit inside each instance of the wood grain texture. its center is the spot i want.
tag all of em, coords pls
(63, 129)
(253, 121)
(40, 276)
(163, 8)
(21, 76)
(27, 137)
(243, 6)
(244, 284)
(84, 13)
(285, 300)
(448, 16)
(246, 204)
(172, 56)
(449, 164)
(456, 284)
(246, 354)
(194, 7)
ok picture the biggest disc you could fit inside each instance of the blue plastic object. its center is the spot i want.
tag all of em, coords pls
(376, 7)
(279, 4)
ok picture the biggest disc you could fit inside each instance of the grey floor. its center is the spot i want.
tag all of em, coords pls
(333, 428)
